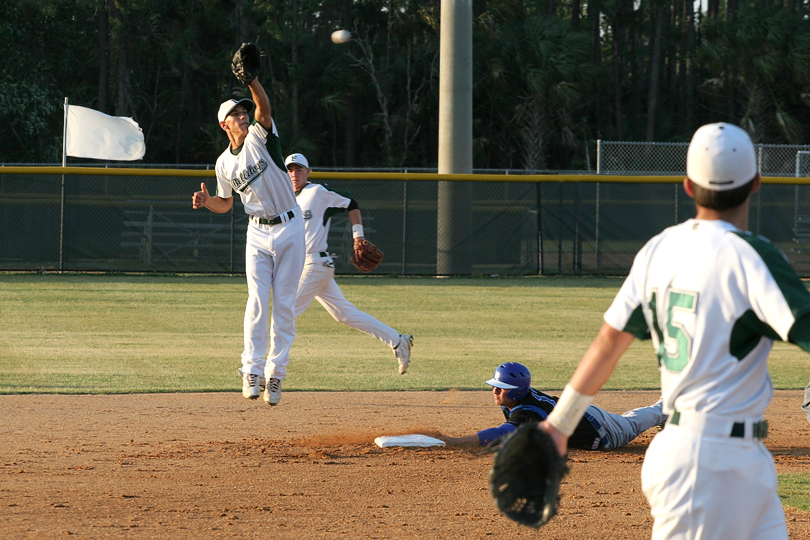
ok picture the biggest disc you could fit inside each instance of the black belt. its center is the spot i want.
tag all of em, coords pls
(323, 254)
(760, 429)
(273, 221)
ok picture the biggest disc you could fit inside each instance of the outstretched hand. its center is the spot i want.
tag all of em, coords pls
(246, 63)
(200, 198)
(465, 440)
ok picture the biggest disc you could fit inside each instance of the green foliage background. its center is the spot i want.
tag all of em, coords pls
(549, 77)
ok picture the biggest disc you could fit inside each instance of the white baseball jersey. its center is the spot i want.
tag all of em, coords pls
(274, 254)
(712, 298)
(257, 173)
(317, 281)
(321, 204)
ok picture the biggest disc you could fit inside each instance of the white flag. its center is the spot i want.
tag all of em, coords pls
(93, 134)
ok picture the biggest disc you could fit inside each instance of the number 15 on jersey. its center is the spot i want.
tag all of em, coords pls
(673, 343)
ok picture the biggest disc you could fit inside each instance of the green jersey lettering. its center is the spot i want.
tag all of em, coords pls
(674, 345)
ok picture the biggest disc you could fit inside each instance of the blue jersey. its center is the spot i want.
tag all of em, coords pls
(535, 407)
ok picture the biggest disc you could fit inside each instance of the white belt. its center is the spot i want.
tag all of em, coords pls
(721, 426)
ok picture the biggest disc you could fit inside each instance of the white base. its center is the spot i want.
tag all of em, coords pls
(407, 440)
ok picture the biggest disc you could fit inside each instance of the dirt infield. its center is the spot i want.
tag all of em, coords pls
(176, 466)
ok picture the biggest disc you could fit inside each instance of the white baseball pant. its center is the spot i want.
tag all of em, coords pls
(702, 483)
(274, 257)
(318, 283)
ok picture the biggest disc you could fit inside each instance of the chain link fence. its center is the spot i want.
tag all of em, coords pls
(669, 159)
(145, 223)
(596, 228)
(554, 224)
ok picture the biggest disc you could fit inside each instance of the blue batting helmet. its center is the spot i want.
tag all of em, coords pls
(514, 377)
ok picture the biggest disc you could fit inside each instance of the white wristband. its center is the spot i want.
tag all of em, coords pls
(357, 231)
(569, 410)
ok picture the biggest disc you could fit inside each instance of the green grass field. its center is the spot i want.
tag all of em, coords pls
(123, 333)
(794, 490)
(118, 334)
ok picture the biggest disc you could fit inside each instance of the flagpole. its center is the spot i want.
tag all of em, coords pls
(62, 201)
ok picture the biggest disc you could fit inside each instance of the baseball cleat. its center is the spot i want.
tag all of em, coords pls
(272, 392)
(250, 386)
(261, 379)
(403, 352)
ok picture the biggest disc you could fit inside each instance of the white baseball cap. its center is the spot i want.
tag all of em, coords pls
(228, 106)
(298, 159)
(721, 156)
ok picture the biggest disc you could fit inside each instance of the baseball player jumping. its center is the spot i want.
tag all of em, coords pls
(712, 297)
(598, 429)
(253, 166)
(317, 281)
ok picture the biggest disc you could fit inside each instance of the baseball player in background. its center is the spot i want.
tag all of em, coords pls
(520, 403)
(317, 281)
(253, 166)
(712, 297)
(806, 402)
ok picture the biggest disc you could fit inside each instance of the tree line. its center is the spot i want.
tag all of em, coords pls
(550, 76)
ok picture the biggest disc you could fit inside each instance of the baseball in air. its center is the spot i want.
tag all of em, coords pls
(341, 36)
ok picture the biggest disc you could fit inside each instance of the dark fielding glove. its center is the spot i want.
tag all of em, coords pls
(526, 474)
(366, 256)
(246, 63)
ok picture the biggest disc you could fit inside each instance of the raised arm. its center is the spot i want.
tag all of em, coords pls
(262, 112)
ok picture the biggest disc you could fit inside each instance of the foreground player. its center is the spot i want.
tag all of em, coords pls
(317, 281)
(253, 166)
(513, 392)
(713, 298)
